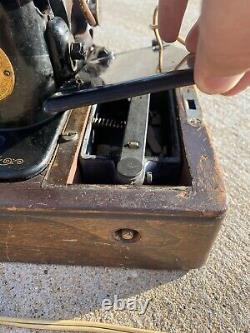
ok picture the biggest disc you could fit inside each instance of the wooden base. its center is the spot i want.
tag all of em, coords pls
(53, 218)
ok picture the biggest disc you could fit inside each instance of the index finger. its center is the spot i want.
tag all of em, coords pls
(171, 14)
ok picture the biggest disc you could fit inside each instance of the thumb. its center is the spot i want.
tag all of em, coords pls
(212, 77)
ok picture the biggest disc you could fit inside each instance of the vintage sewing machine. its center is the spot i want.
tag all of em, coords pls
(104, 158)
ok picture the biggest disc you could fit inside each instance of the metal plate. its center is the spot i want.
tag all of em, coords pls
(125, 75)
(7, 76)
(192, 106)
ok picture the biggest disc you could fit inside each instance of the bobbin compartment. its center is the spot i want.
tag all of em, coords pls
(111, 135)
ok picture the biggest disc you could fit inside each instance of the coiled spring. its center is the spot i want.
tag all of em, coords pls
(109, 123)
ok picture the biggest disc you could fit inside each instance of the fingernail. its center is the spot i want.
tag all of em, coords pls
(218, 85)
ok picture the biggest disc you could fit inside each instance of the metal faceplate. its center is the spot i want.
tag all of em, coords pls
(7, 76)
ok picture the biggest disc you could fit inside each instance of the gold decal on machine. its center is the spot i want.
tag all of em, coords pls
(10, 161)
(7, 76)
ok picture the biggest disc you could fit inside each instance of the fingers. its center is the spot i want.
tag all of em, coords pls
(241, 86)
(223, 49)
(217, 85)
(220, 40)
(193, 38)
(171, 14)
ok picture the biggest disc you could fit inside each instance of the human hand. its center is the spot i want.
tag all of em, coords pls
(220, 39)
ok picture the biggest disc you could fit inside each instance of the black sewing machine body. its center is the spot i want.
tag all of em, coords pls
(99, 148)
(43, 45)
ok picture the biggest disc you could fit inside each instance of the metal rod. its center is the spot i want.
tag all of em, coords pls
(131, 167)
(62, 102)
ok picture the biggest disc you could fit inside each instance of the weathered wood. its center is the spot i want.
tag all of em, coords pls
(47, 220)
(65, 160)
(177, 243)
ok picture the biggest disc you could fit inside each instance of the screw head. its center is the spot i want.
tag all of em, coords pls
(7, 73)
(196, 122)
(69, 136)
(127, 234)
(133, 145)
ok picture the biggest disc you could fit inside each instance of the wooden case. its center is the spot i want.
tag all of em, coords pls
(53, 218)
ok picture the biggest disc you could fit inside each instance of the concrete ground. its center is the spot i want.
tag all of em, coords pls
(212, 299)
